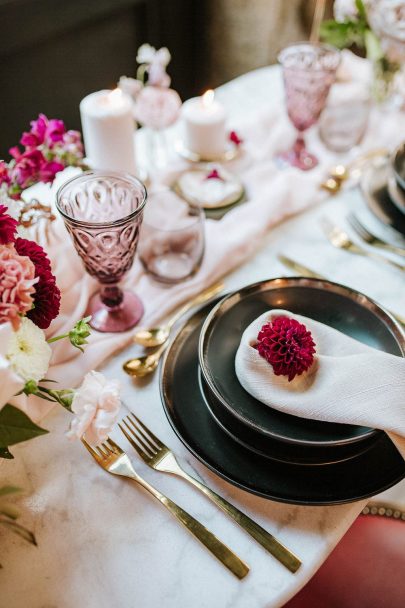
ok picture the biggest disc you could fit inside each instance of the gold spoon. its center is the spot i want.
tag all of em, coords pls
(142, 366)
(340, 173)
(158, 335)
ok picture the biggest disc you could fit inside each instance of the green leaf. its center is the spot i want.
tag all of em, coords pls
(373, 46)
(9, 511)
(362, 9)
(18, 529)
(5, 490)
(5, 453)
(15, 426)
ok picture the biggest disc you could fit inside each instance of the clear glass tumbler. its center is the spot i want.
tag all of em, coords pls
(103, 212)
(172, 242)
(308, 71)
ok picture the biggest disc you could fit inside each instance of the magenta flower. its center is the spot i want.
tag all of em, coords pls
(214, 174)
(55, 131)
(4, 173)
(17, 280)
(8, 226)
(27, 167)
(48, 170)
(36, 136)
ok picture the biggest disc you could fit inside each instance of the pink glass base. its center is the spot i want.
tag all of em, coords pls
(115, 318)
(299, 157)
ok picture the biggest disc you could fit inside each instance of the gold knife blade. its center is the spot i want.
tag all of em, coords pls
(300, 268)
(307, 272)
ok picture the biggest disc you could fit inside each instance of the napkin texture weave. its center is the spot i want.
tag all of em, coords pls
(348, 382)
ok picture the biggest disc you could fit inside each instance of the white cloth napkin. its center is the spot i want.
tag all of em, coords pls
(273, 194)
(348, 382)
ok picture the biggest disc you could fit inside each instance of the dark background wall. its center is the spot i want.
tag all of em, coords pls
(54, 52)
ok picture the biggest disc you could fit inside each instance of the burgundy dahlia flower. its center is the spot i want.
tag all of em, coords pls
(8, 226)
(287, 345)
(47, 294)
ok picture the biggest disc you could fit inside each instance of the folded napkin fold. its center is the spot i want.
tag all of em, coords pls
(348, 382)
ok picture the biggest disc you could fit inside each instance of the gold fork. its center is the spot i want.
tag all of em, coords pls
(159, 457)
(114, 460)
(340, 239)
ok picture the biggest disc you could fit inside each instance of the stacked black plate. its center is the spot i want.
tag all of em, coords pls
(253, 446)
(383, 187)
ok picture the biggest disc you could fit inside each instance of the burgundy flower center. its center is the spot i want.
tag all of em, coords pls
(287, 345)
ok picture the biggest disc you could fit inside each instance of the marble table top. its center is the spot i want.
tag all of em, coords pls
(103, 542)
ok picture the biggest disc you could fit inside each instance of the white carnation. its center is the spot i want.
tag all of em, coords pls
(28, 351)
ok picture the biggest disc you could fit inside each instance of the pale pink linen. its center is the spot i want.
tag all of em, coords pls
(273, 194)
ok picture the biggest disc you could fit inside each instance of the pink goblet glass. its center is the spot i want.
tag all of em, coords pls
(309, 71)
(103, 213)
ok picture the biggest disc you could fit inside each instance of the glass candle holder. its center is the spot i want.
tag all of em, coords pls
(342, 125)
(172, 241)
(103, 213)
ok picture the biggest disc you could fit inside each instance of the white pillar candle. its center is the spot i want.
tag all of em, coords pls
(108, 130)
(204, 126)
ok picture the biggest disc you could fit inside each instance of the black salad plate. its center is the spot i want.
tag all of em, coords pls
(335, 305)
(374, 186)
(370, 472)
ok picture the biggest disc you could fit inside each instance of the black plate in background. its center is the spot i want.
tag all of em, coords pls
(335, 305)
(373, 471)
(375, 191)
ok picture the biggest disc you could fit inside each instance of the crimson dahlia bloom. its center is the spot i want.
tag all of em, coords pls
(8, 226)
(47, 294)
(287, 345)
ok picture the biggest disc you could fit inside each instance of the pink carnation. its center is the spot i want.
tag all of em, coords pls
(17, 280)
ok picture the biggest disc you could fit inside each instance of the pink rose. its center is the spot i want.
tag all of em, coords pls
(96, 404)
(17, 280)
(157, 107)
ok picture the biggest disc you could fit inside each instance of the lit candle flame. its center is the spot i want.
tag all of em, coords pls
(208, 98)
(115, 96)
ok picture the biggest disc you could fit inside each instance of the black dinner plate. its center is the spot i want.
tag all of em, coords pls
(375, 190)
(279, 450)
(335, 305)
(369, 473)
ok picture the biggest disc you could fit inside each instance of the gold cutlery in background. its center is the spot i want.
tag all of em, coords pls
(340, 239)
(156, 336)
(139, 367)
(370, 238)
(110, 457)
(159, 457)
(312, 274)
(340, 173)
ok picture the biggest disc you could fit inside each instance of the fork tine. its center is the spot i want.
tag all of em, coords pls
(90, 449)
(116, 448)
(140, 434)
(137, 435)
(358, 227)
(145, 456)
(149, 433)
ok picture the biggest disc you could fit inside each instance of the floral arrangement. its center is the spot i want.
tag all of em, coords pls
(156, 105)
(29, 302)
(373, 26)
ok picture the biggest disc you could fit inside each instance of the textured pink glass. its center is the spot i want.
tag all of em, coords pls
(308, 71)
(103, 213)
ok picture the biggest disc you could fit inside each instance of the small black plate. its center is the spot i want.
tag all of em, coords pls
(371, 472)
(335, 305)
(375, 190)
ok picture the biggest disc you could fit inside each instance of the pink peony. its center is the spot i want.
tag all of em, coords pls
(8, 226)
(17, 280)
(157, 107)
